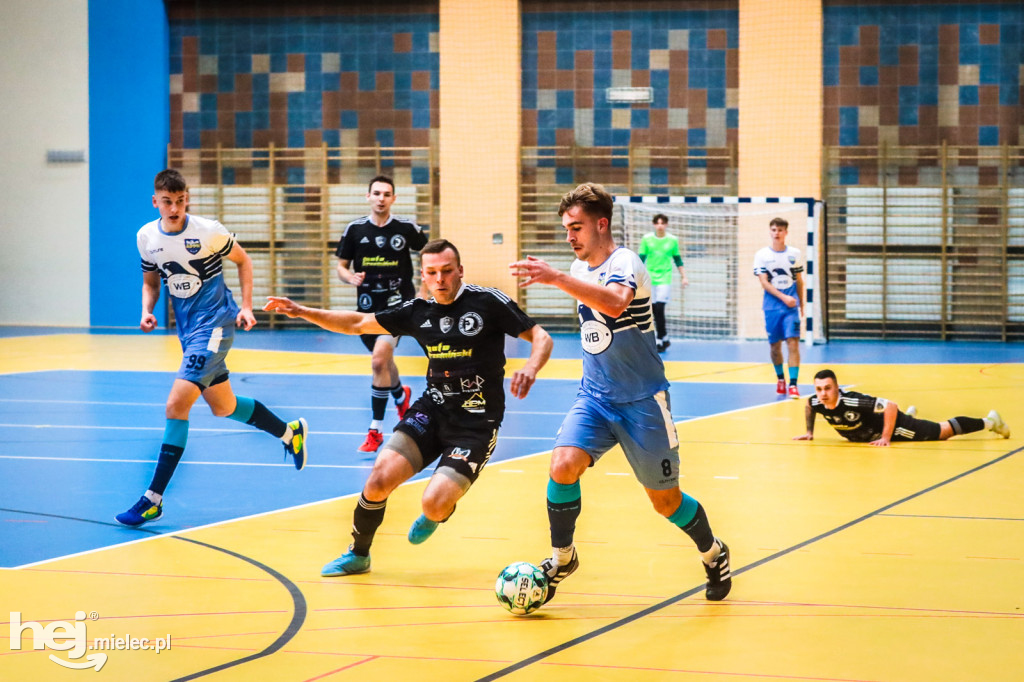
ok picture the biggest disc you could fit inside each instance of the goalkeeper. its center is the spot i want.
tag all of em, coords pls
(659, 251)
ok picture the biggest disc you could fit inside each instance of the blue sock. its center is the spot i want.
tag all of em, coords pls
(778, 371)
(793, 373)
(564, 505)
(175, 437)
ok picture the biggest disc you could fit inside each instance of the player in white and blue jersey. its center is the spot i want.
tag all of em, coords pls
(780, 269)
(187, 253)
(623, 397)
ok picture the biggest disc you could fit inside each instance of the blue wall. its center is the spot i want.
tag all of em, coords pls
(128, 136)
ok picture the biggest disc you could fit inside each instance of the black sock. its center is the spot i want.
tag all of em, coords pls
(379, 401)
(699, 530)
(365, 521)
(398, 392)
(562, 515)
(962, 425)
(265, 420)
(659, 320)
(170, 455)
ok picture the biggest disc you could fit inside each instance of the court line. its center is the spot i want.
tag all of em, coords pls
(515, 667)
(150, 461)
(299, 607)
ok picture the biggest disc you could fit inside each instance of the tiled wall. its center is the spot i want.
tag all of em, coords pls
(689, 57)
(921, 74)
(303, 74)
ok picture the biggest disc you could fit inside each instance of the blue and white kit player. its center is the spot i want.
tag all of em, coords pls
(623, 397)
(187, 253)
(779, 269)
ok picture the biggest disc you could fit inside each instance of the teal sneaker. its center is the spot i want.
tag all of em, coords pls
(421, 529)
(298, 448)
(347, 564)
(141, 512)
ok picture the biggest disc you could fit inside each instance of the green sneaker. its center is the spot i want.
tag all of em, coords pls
(421, 529)
(347, 564)
(298, 448)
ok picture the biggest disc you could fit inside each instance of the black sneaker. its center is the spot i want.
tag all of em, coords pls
(719, 575)
(557, 575)
(665, 343)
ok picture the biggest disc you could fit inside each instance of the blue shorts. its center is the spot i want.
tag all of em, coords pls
(782, 324)
(643, 428)
(204, 354)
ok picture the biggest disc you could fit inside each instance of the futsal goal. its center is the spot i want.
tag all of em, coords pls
(718, 237)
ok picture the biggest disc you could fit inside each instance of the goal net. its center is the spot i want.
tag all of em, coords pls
(718, 237)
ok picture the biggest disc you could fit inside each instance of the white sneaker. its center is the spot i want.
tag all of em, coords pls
(998, 425)
(911, 411)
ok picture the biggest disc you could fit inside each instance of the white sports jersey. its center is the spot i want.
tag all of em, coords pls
(190, 264)
(782, 268)
(620, 360)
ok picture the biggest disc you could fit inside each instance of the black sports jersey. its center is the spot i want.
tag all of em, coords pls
(465, 347)
(383, 254)
(858, 417)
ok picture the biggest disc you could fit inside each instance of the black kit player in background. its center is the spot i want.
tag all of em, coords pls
(455, 422)
(373, 255)
(861, 418)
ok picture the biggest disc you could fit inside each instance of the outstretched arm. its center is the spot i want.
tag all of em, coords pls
(523, 379)
(245, 319)
(610, 300)
(341, 321)
(809, 419)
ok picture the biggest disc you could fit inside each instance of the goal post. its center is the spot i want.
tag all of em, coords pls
(718, 237)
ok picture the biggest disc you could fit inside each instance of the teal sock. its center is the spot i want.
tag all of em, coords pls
(254, 413)
(778, 371)
(685, 513)
(243, 409)
(793, 373)
(564, 505)
(175, 437)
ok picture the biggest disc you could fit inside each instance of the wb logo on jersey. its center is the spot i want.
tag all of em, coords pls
(192, 246)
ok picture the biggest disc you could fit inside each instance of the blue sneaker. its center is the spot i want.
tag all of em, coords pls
(298, 448)
(141, 512)
(421, 529)
(347, 564)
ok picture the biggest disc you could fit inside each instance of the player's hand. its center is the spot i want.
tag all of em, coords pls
(880, 443)
(280, 304)
(522, 380)
(790, 301)
(148, 322)
(245, 319)
(533, 270)
(357, 278)
(804, 436)
(686, 282)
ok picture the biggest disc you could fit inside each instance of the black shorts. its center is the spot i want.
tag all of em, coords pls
(461, 448)
(370, 340)
(909, 428)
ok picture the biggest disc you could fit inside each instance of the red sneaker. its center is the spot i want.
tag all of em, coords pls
(404, 405)
(794, 392)
(780, 387)
(372, 442)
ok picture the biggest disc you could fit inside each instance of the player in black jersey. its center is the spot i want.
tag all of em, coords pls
(373, 255)
(862, 418)
(455, 422)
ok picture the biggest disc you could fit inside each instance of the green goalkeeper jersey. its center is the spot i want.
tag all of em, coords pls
(660, 255)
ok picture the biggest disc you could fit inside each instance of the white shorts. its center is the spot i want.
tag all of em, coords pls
(660, 293)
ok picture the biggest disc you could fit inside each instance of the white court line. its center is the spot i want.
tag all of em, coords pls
(188, 461)
(193, 429)
(306, 504)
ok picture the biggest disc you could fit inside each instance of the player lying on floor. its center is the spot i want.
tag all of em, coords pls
(862, 418)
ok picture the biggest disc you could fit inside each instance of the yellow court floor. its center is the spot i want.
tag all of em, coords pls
(850, 563)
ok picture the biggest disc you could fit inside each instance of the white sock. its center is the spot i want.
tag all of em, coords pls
(155, 498)
(376, 424)
(709, 557)
(288, 433)
(988, 423)
(562, 555)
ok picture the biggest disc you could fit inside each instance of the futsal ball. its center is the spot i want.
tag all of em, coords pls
(521, 588)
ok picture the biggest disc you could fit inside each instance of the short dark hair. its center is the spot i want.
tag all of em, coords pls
(592, 198)
(781, 222)
(660, 218)
(826, 374)
(439, 246)
(169, 180)
(381, 178)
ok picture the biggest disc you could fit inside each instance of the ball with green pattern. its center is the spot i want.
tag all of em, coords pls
(521, 588)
